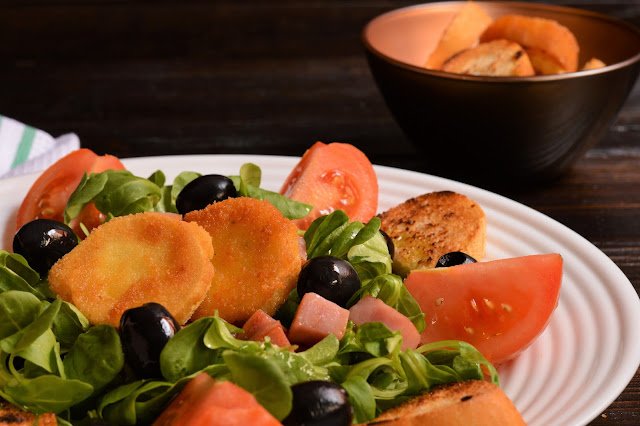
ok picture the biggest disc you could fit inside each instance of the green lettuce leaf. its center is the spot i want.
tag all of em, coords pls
(16, 274)
(114, 193)
(247, 184)
(119, 192)
(377, 374)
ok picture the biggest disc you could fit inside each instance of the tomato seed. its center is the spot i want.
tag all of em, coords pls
(474, 305)
(489, 304)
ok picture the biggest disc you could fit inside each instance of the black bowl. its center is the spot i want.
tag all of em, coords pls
(501, 129)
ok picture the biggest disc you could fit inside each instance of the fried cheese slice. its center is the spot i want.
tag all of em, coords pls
(257, 258)
(135, 259)
(430, 225)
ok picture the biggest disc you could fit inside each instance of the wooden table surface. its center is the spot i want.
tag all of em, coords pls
(272, 77)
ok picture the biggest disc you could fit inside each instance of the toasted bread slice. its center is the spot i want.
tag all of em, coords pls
(10, 415)
(543, 63)
(430, 225)
(502, 58)
(135, 259)
(257, 258)
(462, 33)
(593, 64)
(458, 404)
(539, 33)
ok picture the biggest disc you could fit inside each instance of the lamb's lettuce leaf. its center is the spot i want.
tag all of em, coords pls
(119, 192)
(247, 184)
(371, 354)
(50, 357)
(96, 356)
(114, 193)
(16, 274)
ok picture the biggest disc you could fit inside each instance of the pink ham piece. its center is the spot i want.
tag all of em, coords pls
(259, 325)
(259, 320)
(275, 333)
(316, 318)
(371, 309)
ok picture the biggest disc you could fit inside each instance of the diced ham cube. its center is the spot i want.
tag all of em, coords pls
(259, 320)
(370, 309)
(260, 324)
(275, 333)
(316, 318)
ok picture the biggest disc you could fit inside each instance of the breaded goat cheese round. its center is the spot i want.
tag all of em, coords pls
(136, 259)
(257, 257)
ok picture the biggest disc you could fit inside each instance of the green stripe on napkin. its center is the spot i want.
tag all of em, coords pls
(24, 147)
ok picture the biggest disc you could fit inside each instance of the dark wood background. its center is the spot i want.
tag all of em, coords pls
(272, 77)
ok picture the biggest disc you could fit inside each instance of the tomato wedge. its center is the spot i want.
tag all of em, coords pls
(48, 196)
(335, 176)
(205, 401)
(500, 307)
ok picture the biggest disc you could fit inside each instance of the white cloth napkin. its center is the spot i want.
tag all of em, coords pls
(24, 149)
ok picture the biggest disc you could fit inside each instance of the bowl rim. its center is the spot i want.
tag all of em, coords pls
(501, 79)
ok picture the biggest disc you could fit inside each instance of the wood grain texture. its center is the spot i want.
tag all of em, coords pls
(272, 77)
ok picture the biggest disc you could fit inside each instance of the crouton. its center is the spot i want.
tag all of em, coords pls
(473, 402)
(430, 225)
(544, 34)
(593, 64)
(543, 63)
(495, 58)
(257, 258)
(462, 33)
(10, 415)
(132, 260)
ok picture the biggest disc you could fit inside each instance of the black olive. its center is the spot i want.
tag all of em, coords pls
(389, 241)
(145, 331)
(42, 242)
(454, 258)
(204, 190)
(319, 403)
(330, 277)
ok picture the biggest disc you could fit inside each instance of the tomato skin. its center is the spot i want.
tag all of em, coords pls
(335, 176)
(500, 307)
(48, 196)
(207, 402)
(90, 217)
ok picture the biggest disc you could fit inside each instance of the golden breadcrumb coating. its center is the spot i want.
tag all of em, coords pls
(135, 259)
(257, 258)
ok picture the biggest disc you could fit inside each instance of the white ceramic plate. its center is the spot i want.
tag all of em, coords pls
(573, 371)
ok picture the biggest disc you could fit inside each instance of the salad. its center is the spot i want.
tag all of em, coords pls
(55, 361)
